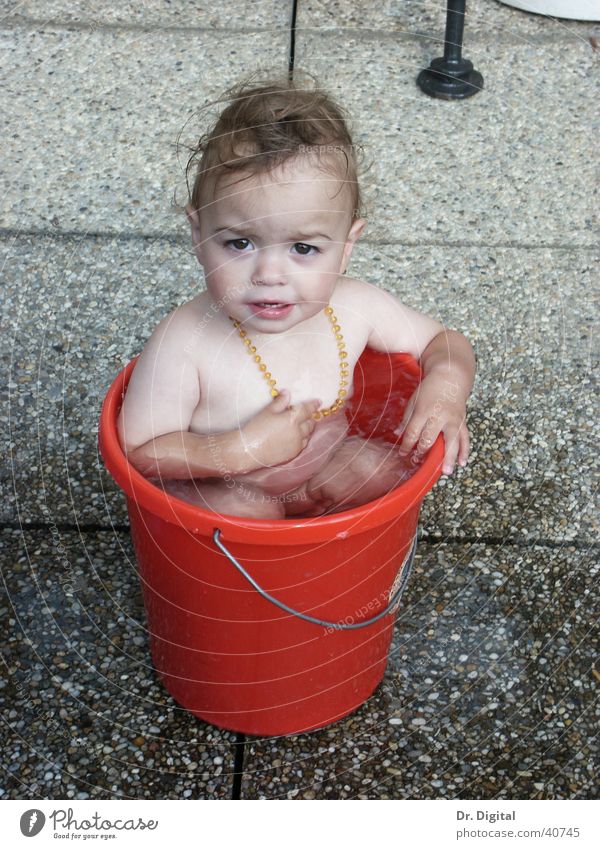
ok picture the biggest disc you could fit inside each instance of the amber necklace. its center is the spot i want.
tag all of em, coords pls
(272, 383)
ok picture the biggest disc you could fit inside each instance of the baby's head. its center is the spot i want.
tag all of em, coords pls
(275, 195)
(265, 126)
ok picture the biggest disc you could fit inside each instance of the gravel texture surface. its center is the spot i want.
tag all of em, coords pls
(512, 164)
(130, 104)
(490, 693)
(88, 717)
(241, 15)
(485, 20)
(116, 160)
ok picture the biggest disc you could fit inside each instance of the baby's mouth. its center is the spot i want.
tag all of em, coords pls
(271, 309)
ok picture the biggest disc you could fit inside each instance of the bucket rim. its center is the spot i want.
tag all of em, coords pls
(198, 520)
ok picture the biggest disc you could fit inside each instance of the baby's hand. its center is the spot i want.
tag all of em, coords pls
(437, 406)
(279, 432)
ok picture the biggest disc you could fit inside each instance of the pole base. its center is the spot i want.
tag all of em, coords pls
(450, 80)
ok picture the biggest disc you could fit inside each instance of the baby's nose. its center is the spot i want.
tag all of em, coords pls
(263, 280)
(269, 269)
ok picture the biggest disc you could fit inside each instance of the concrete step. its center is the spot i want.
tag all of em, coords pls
(108, 153)
(511, 165)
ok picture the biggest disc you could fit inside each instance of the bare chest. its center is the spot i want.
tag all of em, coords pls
(234, 387)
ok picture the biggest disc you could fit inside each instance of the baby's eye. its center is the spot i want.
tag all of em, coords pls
(304, 249)
(238, 244)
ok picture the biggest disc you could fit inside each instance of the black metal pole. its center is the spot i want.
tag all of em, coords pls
(451, 77)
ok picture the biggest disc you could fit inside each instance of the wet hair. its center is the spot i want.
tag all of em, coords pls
(266, 124)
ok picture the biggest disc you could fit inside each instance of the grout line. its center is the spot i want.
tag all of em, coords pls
(495, 33)
(239, 748)
(14, 233)
(427, 539)
(63, 527)
(485, 539)
(126, 236)
(92, 26)
(435, 35)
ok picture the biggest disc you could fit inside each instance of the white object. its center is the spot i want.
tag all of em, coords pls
(577, 10)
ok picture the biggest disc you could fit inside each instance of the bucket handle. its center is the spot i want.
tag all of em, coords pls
(338, 626)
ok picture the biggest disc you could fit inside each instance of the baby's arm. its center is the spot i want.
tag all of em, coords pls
(438, 405)
(161, 397)
(275, 435)
(159, 404)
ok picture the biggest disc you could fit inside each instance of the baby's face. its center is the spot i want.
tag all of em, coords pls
(279, 239)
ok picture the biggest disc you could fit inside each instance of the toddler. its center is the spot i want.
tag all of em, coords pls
(237, 401)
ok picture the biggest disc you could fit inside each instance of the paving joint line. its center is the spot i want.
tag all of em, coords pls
(495, 35)
(8, 233)
(429, 539)
(92, 26)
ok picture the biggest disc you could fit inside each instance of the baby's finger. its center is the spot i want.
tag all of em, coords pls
(281, 402)
(429, 434)
(451, 441)
(411, 436)
(465, 446)
(405, 418)
(307, 426)
(306, 410)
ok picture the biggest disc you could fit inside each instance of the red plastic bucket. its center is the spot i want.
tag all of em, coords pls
(276, 627)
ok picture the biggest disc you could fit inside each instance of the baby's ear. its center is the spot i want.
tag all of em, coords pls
(192, 215)
(194, 219)
(354, 234)
(356, 230)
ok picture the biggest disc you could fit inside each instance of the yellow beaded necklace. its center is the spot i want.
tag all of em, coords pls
(344, 373)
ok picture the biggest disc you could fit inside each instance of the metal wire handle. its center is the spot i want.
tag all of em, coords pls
(339, 626)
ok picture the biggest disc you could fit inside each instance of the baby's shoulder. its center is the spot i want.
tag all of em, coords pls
(350, 289)
(358, 295)
(181, 327)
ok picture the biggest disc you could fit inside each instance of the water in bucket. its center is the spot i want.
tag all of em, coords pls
(352, 459)
(356, 471)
